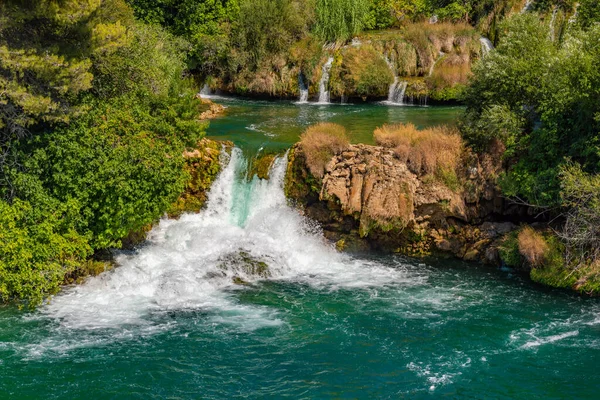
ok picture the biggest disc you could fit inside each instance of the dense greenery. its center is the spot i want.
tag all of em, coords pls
(534, 102)
(540, 99)
(94, 118)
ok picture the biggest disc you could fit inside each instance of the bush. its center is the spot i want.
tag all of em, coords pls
(38, 249)
(123, 164)
(340, 19)
(434, 150)
(320, 143)
(361, 70)
(532, 246)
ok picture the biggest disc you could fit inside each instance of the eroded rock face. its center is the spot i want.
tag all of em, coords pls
(369, 199)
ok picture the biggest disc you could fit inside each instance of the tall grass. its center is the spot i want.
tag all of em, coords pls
(434, 150)
(340, 19)
(532, 246)
(320, 143)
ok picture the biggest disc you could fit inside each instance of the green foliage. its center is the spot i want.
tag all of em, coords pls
(533, 94)
(509, 250)
(122, 162)
(74, 182)
(38, 249)
(151, 61)
(361, 70)
(588, 13)
(340, 19)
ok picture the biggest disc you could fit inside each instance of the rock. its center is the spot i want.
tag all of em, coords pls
(370, 197)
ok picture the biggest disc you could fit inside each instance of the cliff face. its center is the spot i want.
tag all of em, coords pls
(369, 199)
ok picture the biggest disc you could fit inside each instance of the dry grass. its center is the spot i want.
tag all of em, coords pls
(320, 143)
(427, 151)
(452, 70)
(532, 246)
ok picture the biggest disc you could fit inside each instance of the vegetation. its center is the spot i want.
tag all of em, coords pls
(534, 102)
(320, 143)
(94, 118)
(434, 150)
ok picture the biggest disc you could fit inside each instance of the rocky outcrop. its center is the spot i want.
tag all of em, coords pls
(369, 200)
(214, 110)
(203, 165)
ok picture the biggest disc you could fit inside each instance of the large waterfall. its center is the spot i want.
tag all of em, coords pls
(397, 88)
(324, 82)
(193, 262)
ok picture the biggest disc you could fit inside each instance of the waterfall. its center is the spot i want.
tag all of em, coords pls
(573, 18)
(205, 92)
(323, 83)
(527, 6)
(442, 54)
(552, 21)
(397, 88)
(486, 46)
(303, 89)
(194, 263)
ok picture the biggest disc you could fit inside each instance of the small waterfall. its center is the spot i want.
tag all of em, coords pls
(552, 21)
(205, 92)
(303, 89)
(486, 46)
(527, 6)
(573, 18)
(397, 88)
(442, 54)
(323, 83)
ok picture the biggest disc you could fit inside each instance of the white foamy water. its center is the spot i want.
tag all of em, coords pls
(397, 89)
(191, 263)
(486, 46)
(324, 82)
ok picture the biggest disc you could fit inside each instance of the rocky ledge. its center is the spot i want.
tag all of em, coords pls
(370, 200)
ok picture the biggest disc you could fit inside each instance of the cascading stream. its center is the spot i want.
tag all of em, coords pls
(193, 262)
(324, 82)
(397, 88)
(486, 46)
(303, 89)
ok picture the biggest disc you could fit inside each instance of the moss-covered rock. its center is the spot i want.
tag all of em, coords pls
(203, 166)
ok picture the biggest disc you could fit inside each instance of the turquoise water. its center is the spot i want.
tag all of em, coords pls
(277, 125)
(169, 322)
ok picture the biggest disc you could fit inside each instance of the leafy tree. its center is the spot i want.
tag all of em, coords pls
(340, 19)
(540, 99)
(37, 249)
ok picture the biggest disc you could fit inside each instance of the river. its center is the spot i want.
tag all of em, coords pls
(170, 322)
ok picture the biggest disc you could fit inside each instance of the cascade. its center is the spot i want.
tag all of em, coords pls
(193, 263)
(527, 6)
(573, 18)
(397, 88)
(441, 55)
(323, 83)
(486, 46)
(205, 92)
(303, 89)
(552, 21)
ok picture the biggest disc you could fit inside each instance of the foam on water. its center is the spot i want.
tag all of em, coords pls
(190, 263)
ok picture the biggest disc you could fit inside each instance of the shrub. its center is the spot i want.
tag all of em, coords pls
(320, 143)
(430, 151)
(362, 70)
(340, 19)
(37, 249)
(532, 246)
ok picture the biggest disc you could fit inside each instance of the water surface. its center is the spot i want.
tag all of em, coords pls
(276, 125)
(170, 322)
